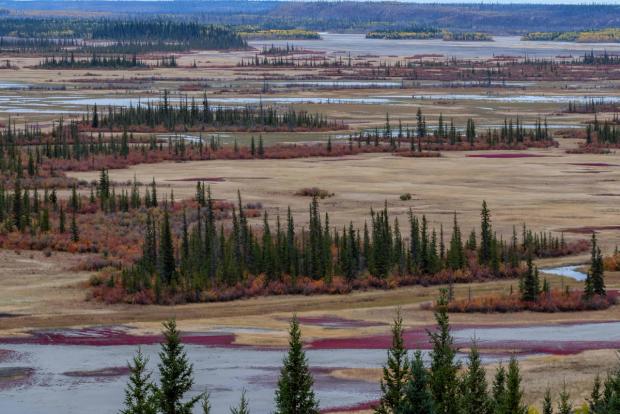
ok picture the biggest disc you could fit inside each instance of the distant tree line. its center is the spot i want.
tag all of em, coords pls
(608, 35)
(192, 114)
(177, 34)
(69, 61)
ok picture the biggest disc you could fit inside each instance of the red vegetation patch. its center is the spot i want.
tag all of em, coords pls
(553, 347)
(112, 336)
(506, 155)
(417, 338)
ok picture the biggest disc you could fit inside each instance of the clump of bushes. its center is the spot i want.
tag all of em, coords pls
(554, 301)
(405, 196)
(314, 192)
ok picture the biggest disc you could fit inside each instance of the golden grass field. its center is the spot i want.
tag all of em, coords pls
(549, 193)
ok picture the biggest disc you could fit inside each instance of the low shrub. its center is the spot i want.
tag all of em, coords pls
(554, 301)
(314, 192)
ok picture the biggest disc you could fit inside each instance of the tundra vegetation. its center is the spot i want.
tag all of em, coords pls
(185, 70)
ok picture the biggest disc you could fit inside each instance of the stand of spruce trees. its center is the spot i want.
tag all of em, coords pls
(209, 256)
(192, 114)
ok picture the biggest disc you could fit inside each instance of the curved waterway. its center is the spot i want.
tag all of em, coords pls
(356, 44)
(61, 372)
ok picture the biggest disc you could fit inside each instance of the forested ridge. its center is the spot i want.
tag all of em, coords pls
(180, 34)
(362, 16)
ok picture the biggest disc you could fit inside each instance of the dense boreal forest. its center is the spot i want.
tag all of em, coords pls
(360, 16)
(138, 35)
(70, 61)
(410, 382)
(214, 263)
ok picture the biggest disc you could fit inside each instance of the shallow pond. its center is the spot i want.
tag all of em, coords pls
(567, 271)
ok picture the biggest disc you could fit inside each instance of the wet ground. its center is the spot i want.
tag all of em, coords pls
(58, 372)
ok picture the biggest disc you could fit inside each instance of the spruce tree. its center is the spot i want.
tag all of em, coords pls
(456, 253)
(243, 407)
(499, 390)
(75, 232)
(396, 372)
(444, 382)
(61, 220)
(140, 391)
(610, 401)
(417, 398)
(595, 283)
(486, 235)
(176, 374)
(166, 251)
(595, 400)
(294, 393)
(564, 405)
(474, 393)
(205, 404)
(18, 218)
(513, 403)
(45, 220)
(530, 286)
(547, 403)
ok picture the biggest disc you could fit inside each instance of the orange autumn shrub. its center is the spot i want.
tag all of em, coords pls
(554, 301)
